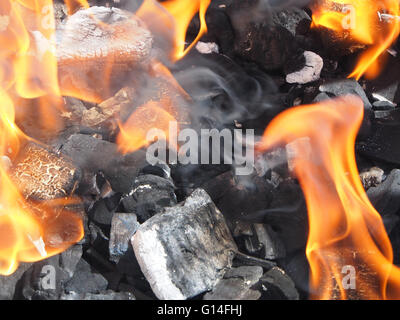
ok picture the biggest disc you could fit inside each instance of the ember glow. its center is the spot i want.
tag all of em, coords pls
(360, 19)
(27, 228)
(345, 229)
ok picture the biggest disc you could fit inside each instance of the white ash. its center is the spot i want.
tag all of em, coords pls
(311, 71)
(207, 47)
(372, 177)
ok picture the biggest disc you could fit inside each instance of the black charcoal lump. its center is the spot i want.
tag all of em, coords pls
(184, 250)
(276, 284)
(93, 155)
(86, 280)
(386, 196)
(149, 194)
(8, 283)
(236, 284)
(343, 87)
(45, 279)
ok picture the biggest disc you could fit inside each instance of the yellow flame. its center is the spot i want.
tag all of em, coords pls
(175, 15)
(345, 231)
(27, 70)
(361, 20)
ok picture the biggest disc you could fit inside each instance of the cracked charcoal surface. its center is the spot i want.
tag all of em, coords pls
(43, 175)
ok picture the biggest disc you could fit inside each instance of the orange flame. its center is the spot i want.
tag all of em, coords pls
(73, 5)
(345, 229)
(152, 115)
(361, 20)
(28, 69)
(175, 15)
(28, 231)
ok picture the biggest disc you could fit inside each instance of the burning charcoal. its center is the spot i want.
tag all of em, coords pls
(149, 194)
(219, 28)
(94, 155)
(339, 43)
(267, 45)
(387, 94)
(60, 12)
(343, 87)
(85, 280)
(45, 279)
(43, 175)
(372, 177)
(382, 143)
(287, 215)
(243, 229)
(90, 153)
(8, 283)
(75, 109)
(295, 20)
(106, 295)
(108, 109)
(123, 227)
(321, 97)
(100, 213)
(236, 285)
(249, 274)
(272, 246)
(383, 105)
(184, 251)
(242, 259)
(386, 196)
(277, 285)
(94, 39)
(70, 258)
(310, 72)
(297, 268)
(350, 86)
(261, 240)
(241, 198)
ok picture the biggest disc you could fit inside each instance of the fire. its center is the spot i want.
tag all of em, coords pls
(73, 5)
(152, 115)
(360, 18)
(162, 17)
(174, 15)
(345, 230)
(29, 231)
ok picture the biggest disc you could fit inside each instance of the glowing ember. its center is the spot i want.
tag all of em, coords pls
(345, 230)
(360, 18)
